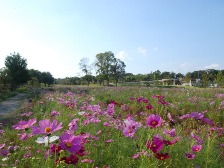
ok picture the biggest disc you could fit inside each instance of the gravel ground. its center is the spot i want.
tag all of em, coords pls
(13, 103)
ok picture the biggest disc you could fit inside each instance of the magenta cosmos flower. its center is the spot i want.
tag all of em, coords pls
(22, 125)
(162, 156)
(156, 144)
(70, 142)
(46, 127)
(154, 121)
(196, 148)
(189, 156)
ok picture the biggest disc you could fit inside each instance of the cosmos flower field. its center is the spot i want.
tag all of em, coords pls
(117, 128)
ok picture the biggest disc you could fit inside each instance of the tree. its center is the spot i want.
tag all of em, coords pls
(205, 79)
(157, 75)
(165, 75)
(118, 70)
(220, 78)
(4, 78)
(212, 74)
(103, 64)
(179, 75)
(129, 77)
(47, 78)
(17, 70)
(87, 79)
(100, 79)
(35, 74)
(84, 66)
(187, 77)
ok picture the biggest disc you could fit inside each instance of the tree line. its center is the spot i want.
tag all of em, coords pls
(109, 69)
(15, 73)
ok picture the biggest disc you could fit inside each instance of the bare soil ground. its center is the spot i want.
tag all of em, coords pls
(11, 108)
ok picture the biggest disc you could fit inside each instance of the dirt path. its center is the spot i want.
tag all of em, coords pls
(13, 103)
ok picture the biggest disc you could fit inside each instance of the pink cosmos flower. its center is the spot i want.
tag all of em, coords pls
(172, 132)
(208, 121)
(130, 127)
(163, 102)
(4, 152)
(185, 116)
(154, 121)
(145, 100)
(170, 117)
(196, 148)
(167, 142)
(86, 161)
(109, 141)
(162, 156)
(46, 127)
(124, 107)
(54, 113)
(26, 114)
(158, 96)
(149, 107)
(22, 125)
(156, 144)
(70, 142)
(132, 98)
(73, 124)
(220, 95)
(197, 115)
(189, 156)
(24, 136)
(72, 159)
(135, 156)
(106, 124)
(197, 138)
(27, 155)
(2, 146)
(81, 151)
(1, 132)
(55, 149)
(143, 152)
(110, 109)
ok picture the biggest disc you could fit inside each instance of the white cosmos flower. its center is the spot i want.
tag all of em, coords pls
(4, 159)
(81, 112)
(47, 140)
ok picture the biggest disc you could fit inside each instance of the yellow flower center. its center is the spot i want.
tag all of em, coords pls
(68, 144)
(196, 149)
(154, 123)
(47, 130)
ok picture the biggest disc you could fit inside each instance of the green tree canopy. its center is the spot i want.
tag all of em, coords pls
(16, 69)
(118, 70)
(103, 64)
(47, 78)
(4, 78)
(220, 78)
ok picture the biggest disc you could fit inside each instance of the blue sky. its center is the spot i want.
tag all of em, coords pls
(148, 35)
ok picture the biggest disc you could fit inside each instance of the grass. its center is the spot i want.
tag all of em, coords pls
(103, 138)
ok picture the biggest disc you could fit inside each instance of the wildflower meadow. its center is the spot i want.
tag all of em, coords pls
(118, 127)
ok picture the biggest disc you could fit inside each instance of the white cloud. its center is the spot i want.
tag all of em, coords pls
(142, 51)
(183, 65)
(212, 66)
(122, 55)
